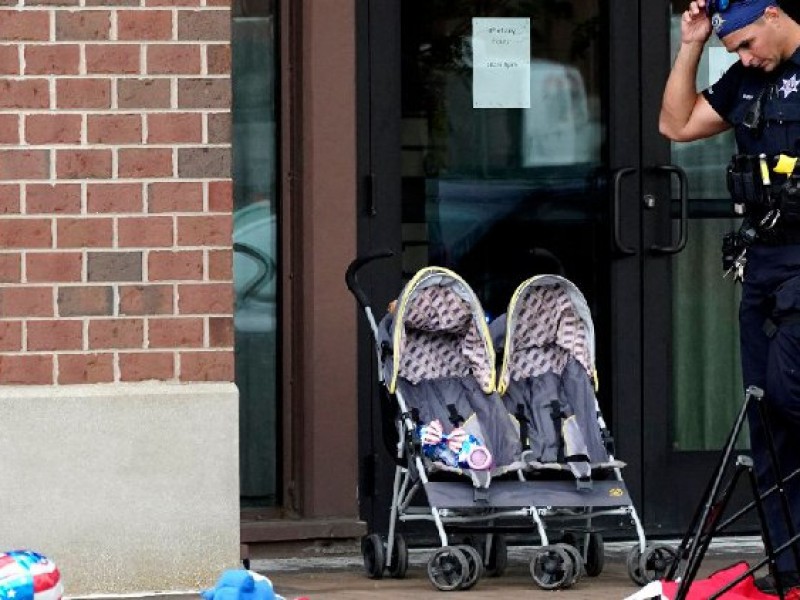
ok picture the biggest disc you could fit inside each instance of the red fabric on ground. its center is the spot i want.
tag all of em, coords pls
(744, 590)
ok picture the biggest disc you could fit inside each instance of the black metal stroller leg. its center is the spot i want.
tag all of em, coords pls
(702, 540)
(693, 540)
(705, 523)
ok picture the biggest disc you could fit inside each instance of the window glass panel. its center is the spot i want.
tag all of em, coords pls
(255, 258)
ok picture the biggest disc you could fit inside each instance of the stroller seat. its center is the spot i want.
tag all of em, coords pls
(547, 376)
(443, 365)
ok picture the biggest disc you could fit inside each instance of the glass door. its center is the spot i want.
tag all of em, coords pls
(509, 139)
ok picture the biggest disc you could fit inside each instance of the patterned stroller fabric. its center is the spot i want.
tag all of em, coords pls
(546, 376)
(443, 363)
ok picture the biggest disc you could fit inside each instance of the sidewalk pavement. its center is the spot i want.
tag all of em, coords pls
(342, 578)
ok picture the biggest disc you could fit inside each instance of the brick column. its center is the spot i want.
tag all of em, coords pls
(115, 286)
(115, 193)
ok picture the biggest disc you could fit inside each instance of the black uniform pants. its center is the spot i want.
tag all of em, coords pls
(773, 364)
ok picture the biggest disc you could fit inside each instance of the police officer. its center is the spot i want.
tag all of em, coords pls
(759, 97)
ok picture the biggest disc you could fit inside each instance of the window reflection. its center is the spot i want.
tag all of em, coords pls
(255, 248)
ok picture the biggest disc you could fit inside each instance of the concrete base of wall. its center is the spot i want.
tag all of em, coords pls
(126, 487)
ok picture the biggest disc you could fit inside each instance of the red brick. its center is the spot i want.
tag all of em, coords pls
(10, 268)
(52, 59)
(206, 366)
(59, 334)
(9, 198)
(10, 336)
(220, 265)
(83, 93)
(114, 198)
(62, 198)
(9, 60)
(205, 231)
(220, 196)
(24, 164)
(24, 25)
(83, 164)
(53, 129)
(25, 93)
(85, 368)
(204, 25)
(149, 3)
(145, 232)
(145, 366)
(174, 128)
(25, 233)
(85, 301)
(218, 3)
(218, 58)
(84, 232)
(9, 129)
(26, 302)
(143, 93)
(48, 267)
(220, 332)
(31, 369)
(83, 25)
(205, 299)
(116, 333)
(171, 266)
(175, 332)
(145, 300)
(59, 3)
(184, 196)
(144, 25)
(114, 129)
(174, 59)
(145, 162)
(113, 58)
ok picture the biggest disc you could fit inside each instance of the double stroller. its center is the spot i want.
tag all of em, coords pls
(492, 452)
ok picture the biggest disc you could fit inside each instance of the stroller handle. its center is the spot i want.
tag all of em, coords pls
(351, 279)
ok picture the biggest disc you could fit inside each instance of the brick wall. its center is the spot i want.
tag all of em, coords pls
(115, 192)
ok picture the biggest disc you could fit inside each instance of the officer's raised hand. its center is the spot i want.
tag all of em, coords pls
(695, 24)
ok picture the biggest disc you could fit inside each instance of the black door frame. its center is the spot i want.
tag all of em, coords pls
(639, 293)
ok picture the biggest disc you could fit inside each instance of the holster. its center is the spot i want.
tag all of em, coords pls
(746, 187)
(789, 200)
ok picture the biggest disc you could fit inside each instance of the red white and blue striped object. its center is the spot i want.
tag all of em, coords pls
(26, 575)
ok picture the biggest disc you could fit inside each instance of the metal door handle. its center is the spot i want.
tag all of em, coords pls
(684, 222)
(617, 183)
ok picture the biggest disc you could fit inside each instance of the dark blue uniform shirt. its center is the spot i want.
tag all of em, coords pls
(736, 91)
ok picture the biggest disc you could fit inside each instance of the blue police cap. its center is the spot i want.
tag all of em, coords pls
(727, 17)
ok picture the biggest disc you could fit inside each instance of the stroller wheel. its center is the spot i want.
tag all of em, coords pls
(595, 555)
(374, 555)
(634, 568)
(475, 564)
(497, 560)
(551, 568)
(656, 561)
(399, 564)
(577, 561)
(448, 569)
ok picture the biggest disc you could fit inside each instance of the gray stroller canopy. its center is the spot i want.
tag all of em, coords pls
(440, 331)
(548, 320)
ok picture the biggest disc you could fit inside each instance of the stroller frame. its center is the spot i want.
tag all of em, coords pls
(706, 521)
(446, 569)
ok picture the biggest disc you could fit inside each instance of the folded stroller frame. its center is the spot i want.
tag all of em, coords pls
(436, 361)
(707, 521)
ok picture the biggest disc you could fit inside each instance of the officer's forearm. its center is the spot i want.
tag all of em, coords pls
(680, 93)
